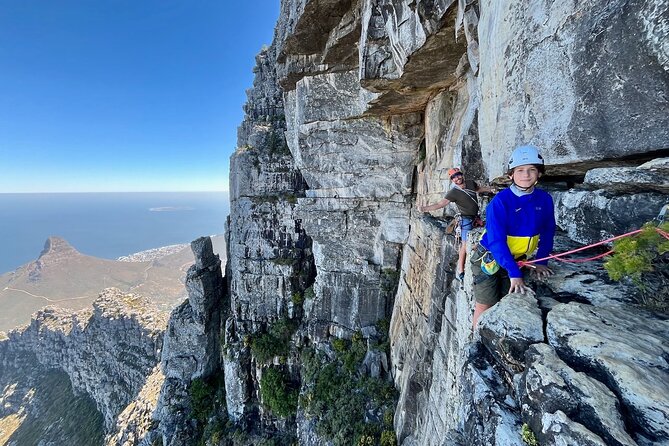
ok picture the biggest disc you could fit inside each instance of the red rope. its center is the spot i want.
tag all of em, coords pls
(608, 240)
(585, 260)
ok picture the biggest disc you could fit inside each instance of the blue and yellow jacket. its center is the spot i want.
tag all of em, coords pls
(517, 226)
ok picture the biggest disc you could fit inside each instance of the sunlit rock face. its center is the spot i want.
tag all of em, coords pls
(269, 253)
(358, 110)
(585, 81)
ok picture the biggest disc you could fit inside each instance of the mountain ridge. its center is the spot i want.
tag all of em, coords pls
(63, 276)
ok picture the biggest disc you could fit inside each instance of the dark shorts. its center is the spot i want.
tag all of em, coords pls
(488, 290)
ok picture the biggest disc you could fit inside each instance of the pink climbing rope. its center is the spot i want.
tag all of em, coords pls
(559, 256)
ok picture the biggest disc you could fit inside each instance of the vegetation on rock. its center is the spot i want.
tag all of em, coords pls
(644, 259)
(389, 281)
(278, 392)
(274, 342)
(528, 436)
(347, 404)
(204, 395)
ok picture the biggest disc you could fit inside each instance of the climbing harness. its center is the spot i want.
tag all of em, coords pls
(453, 228)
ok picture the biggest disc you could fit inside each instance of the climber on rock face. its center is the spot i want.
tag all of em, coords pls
(519, 222)
(463, 194)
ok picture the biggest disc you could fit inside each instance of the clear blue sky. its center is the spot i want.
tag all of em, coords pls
(125, 95)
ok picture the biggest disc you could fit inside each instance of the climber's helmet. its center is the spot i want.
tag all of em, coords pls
(454, 172)
(524, 155)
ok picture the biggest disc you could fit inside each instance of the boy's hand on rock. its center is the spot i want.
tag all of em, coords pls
(542, 271)
(518, 286)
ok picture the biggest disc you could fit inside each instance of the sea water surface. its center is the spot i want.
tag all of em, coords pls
(107, 225)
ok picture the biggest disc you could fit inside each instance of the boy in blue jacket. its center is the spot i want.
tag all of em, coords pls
(519, 222)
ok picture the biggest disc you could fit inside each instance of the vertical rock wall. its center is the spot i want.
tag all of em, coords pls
(586, 81)
(269, 254)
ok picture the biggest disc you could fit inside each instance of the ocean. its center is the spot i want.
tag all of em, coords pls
(106, 225)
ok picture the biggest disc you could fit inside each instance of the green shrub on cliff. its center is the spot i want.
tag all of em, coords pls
(207, 397)
(274, 342)
(388, 438)
(635, 255)
(202, 398)
(528, 436)
(643, 259)
(278, 393)
(389, 281)
(351, 408)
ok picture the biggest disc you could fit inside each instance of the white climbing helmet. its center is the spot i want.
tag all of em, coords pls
(523, 155)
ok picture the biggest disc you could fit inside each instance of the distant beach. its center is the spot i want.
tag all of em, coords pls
(107, 225)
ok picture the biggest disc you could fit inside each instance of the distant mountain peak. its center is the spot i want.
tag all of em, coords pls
(57, 247)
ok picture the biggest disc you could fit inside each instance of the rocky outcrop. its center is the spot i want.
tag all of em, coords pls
(107, 352)
(357, 112)
(125, 358)
(613, 200)
(633, 367)
(191, 349)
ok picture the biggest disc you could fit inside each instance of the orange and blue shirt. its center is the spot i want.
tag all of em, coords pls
(517, 226)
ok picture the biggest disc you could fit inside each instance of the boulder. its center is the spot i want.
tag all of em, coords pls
(626, 349)
(593, 216)
(549, 387)
(510, 327)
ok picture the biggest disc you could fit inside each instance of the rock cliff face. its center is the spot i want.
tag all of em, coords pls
(376, 100)
(339, 294)
(106, 352)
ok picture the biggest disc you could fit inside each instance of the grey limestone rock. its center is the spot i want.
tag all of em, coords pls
(236, 393)
(135, 424)
(107, 351)
(510, 327)
(376, 100)
(375, 364)
(342, 153)
(627, 350)
(590, 217)
(585, 282)
(549, 386)
(204, 254)
(487, 417)
(191, 348)
(652, 176)
(426, 349)
(544, 80)
(558, 429)
(269, 254)
(306, 431)
(408, 51)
